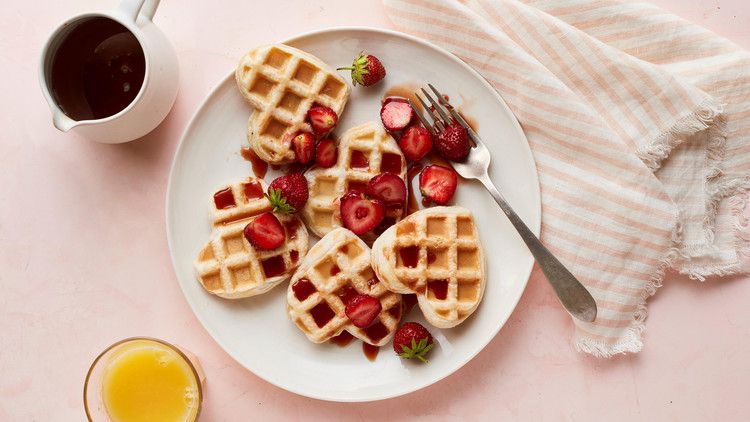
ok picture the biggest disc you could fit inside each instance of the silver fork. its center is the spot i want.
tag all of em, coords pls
(574, 297)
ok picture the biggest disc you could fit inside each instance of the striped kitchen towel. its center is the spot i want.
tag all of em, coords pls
(640, 127)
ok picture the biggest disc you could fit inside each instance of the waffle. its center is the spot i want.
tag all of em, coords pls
(327, 185)
(436, 254)
(281, 83)
(228, 266)
(337, 266)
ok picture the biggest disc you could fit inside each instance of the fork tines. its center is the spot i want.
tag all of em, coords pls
(440, 111)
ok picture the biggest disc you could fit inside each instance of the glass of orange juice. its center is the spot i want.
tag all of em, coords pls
(143, 379)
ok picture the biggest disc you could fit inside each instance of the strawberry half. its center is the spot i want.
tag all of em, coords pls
(438, 183)
(265, 232)
(412, 340)
(453, 142)
(366, 70)
(288, 193)
(304, 147)
(360, 214)
(322, 119)
(396, 113)
(362, 310)
(416, 142)
(327, 153)
(387, 187)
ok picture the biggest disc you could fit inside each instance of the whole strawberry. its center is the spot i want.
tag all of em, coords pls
(288, 194)
(366, 70)
(453, 142)
(412, 340)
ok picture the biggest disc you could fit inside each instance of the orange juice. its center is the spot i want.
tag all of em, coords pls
(145, 380)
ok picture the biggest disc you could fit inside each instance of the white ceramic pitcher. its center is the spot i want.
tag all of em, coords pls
(157, 93)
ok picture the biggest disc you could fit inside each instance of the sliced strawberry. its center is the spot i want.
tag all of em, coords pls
(304, 147)
(327, 153)
(416, 142)
(438, 183)
(362, 310)
(360, 214)
(396, 113)
(265, 232)
(322, 119)
(387, 187)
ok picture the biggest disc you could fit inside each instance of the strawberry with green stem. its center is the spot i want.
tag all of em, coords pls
(366, 70)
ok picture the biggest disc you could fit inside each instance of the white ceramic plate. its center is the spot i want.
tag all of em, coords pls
(256, 331)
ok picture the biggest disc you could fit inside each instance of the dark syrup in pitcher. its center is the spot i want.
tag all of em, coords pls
(97, 70)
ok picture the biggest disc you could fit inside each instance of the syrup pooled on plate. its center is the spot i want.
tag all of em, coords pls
(97, 70)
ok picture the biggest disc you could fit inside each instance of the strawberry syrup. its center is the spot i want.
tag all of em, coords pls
(260, 167)
(370, 351)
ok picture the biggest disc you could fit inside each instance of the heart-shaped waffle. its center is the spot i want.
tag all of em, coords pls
(364, 152)
(435, 253)
(336, 269)
(282, 83)
(228, 265)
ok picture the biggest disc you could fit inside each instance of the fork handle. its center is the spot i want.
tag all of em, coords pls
(574, 297)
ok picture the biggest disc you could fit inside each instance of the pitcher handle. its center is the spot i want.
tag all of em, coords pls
(132, 8)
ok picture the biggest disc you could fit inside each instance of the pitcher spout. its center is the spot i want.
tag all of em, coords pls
(63, 122)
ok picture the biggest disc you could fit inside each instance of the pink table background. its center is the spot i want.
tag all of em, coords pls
(84, 259)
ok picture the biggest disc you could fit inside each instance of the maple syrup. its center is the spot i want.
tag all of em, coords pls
(346, 294)
(335, 270)
(409, 256)
(252, 190)
(260, 167)
(405, 91)
(343, 339)
(224, 199)
(273, 266)
(408, 300)
(376, 331)
(359, 160)
(431, 257)
(391, 163)
(303, 288)
(321, 314)
(357, 186)
(395, 311)
(371, 352)
(439, 288)
(291, 228)
(97, 70)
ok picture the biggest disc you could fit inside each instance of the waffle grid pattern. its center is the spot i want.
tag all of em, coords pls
(449, 262)
(328, 185)
(282, 83)
(228, 266)
(338, 261)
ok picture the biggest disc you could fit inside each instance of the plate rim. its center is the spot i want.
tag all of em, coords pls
(535, 226)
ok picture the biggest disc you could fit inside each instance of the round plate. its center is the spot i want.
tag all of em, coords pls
(256, 331)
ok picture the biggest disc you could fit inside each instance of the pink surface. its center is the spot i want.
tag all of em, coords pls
(85, 262)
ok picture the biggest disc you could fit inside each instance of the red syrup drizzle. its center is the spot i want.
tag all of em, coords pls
(224, 199)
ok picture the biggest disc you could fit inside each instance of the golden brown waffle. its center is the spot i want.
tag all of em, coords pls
(228, 265)
(337, 267)
(369, 141)
(435, 253)
(282, 83)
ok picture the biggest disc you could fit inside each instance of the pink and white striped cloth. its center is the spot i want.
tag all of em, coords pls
(640, 127)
